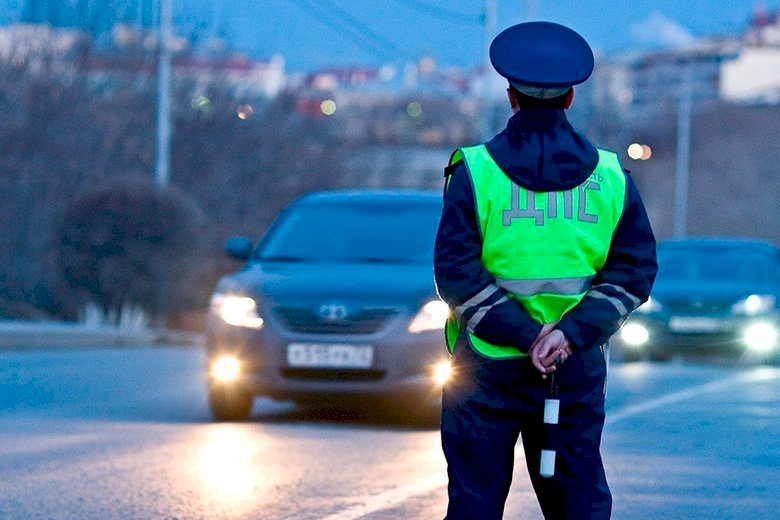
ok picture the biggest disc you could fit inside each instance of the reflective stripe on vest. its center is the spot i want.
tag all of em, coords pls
(543, 248)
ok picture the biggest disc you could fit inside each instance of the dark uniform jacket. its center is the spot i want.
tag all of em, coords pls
(540, 151)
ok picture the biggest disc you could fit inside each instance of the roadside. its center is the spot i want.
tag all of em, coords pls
(51, 334)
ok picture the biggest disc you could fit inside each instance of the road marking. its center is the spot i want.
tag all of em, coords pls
(394, 497)
(391, 498)
(676, 397)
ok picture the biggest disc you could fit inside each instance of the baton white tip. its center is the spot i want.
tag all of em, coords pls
(547, 464)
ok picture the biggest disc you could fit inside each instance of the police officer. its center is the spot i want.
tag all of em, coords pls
(543, 250)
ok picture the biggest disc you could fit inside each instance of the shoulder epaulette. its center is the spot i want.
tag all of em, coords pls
(450, 169)
(455, 159)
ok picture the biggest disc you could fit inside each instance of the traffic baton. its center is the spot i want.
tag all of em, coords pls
(551, 408)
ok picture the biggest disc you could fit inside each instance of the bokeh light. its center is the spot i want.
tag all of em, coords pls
(244, 111)
(414, 109)
(635, 151)
(328, 107)
(202, 104)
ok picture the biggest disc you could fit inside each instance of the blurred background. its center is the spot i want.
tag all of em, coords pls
(125, 162)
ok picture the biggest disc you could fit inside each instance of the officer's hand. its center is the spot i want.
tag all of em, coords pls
(546, 329)
(547, 349)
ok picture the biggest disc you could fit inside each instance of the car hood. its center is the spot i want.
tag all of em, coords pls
(309, 282)
(720, 291)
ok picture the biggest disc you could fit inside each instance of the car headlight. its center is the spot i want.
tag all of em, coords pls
(226, 368)
(634, 334)
(650, 306)
(432, 316)
(754, 304)
(239, 311)
(441, 372)
(760, 337)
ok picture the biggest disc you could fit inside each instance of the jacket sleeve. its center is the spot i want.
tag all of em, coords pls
(462, 280)
(624, 282)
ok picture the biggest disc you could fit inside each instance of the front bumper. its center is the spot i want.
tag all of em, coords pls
(403, 363)
(679, 335)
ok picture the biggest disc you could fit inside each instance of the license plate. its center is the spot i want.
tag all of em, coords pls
(694, 324)
(329, 355)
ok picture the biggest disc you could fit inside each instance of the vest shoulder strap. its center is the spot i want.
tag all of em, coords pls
(456, 157)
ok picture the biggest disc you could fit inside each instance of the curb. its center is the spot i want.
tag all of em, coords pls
(23, 335)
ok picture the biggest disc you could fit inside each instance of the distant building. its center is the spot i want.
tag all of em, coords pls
(41, 47)
(65, 51)
(244, 77)
(644, 85)
(764, 28)
(93, 17)
(107, 21)
(421, 77)
(415, 104)
(754, 77)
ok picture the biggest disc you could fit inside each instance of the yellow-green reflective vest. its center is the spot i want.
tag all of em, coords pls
(543, 248)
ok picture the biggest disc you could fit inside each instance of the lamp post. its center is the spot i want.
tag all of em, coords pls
(163, 160)
(489, 27)
(682, 163)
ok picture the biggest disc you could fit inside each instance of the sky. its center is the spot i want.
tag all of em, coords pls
(313, 34)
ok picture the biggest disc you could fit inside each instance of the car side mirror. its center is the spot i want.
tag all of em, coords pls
(239, 248)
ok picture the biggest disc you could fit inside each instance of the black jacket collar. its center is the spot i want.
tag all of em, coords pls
(541, 151)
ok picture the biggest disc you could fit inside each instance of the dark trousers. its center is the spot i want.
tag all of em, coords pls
(489, 403)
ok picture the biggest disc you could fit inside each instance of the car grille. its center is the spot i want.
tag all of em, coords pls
(309, 321)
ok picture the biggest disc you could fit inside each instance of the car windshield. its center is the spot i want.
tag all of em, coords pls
(715, 263)
(354, 231)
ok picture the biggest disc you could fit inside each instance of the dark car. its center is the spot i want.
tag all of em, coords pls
(337, 300)
(710, 296)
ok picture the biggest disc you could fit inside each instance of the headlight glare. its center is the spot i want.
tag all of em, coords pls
(442, 371)
(754, 305)
(432, 316)
(760, 337)
(226, 368)
(634, 334)
(239, 311)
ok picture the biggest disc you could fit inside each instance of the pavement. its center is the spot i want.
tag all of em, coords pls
(124, 433)
(53, 334)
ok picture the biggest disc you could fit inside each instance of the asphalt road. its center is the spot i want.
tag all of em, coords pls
(124, 433)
